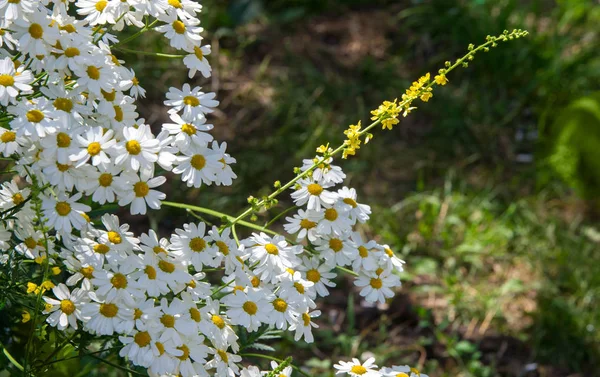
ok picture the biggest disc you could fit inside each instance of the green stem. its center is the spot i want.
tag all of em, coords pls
(267, 357)
(159, 54)
(143, 30)
(279, 215)
(12, 360)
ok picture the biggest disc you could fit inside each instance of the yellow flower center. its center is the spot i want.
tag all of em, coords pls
(195, 314)
(272, 249)
(142, 338)
(358, 369)
(191, 100)
(198, 52)
(189, 129)
(8, 136)
(135, 81)
(167, 320)
(93, 149)
(87, 272)
(250, 307)
(63, 104)
(118, 113)
(218, 321)
(133, 147)
(141, 189)
(34, 116)
(175, 4)
(350, 201)
(299, 287)
(114, 237)
(63, 140)
(313, 275)
(30, 243)
(63, 208)
(197, 244)
(402, 374)
(186, 352)
(158, 250)
(223, 355)
(101, 248)
(314, 189)
(336, 244)
(150, 272)
(119, 281)
(166, 266)
(100, 5)
(280, 305)
(363, 252)
(255, 281)
(331, 214)
(160, 347)
(67, 307)
(93, 72)
(223, 248)
(72, 52)
(109, 96)
(18, 198)
(307, 224)
(379, 271)
(109, 310)
(105, 179)
(178, 26)
(376, 283)
(198, 161)
(6, 80)
(306, 319)
(68, 28)
(62, 167)
(36, 31)
(137, 313)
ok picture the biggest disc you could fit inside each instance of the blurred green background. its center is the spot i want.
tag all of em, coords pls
(489, 191)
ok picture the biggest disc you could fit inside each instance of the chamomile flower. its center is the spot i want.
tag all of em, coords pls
(115, 282)
(138, 149)
(193, 102)
(313, 194)
(38, 33)
(356, 369)
(189, 132)
(273, 255)
(13, 81)
(224, 175)
(96, 12)
(105, 188)
(11, 195)
(377, 286)
(283, 314)
(226, 249)
(9, 142)
(368, 254)
(183, 33)
(197, 165)
(66, 308)
(174, 326)
(94, 145)
(390, 260)
(357, 212)
(320, 274)
(64, 213)
(223, 362)
(192, 244)
(190, 356)
(337, 249)
(139, 192)
(249, 309)
(107, 316)
(334, 221)
(303, 325)
(324, 172)
(304, 223)
(196, 61)
(138, 346)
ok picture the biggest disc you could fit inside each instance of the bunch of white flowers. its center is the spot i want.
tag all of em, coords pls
(71, 127)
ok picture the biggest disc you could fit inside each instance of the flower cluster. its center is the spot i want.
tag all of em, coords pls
(368, 369)
(72, 129)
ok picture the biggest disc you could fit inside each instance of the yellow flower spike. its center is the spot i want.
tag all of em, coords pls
(31, 287)
(26, 317)
(55, 270)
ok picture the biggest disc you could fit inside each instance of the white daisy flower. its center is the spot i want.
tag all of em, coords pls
(358, 212)
(138, 149)
(67, 309)
(368, 254)
(97, 12)
(9, 142)
(318, 273)
(183, 33)
(173, 325)
(334, 221)
(224, 174)
(13, 81)
(138, 346)
(324, 173)
(304, 223)
(193, 102)
(38, 33)
(377, 286)
(191, 244)
(356, 369)
(313, 194)
(196, 61)
(249, 309)
(64, 213)
(139, 192)
(390, 260)
(116, 282)
(273, 255)
(223, 362)
(337, 249)
(190, 356)
(304, 324)
(197, 165)
(107, 316)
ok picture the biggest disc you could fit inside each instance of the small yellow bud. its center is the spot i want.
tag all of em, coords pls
(31, 287)
(26, 317)
(48, 285)
(55, 270)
